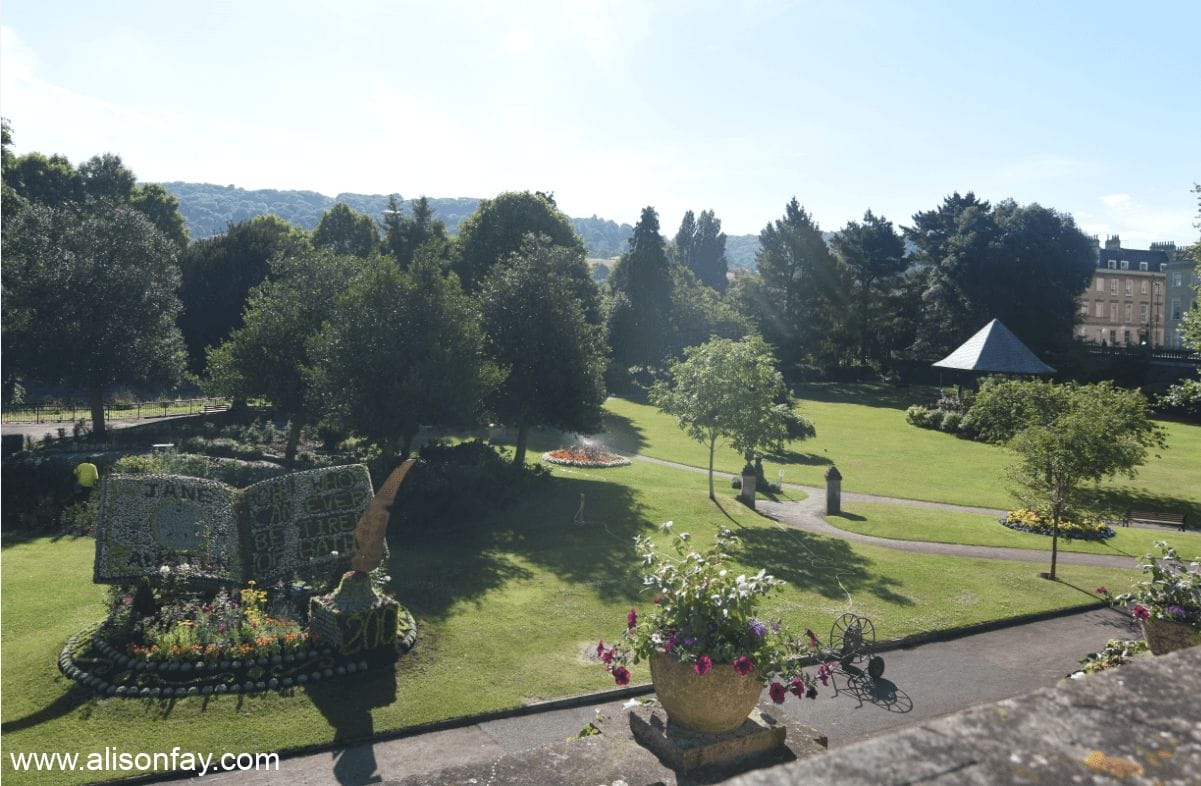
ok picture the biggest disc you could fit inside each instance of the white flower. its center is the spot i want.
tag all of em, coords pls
(333, 554)
(164, 570)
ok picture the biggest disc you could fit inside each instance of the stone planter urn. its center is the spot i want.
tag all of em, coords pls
(717, 702)
(1164, 636)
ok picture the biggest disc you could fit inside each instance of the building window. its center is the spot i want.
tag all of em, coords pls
(1125, 265)
(1100, 284)
(1142, 265)
(1144, 287)
(1113, 265)
(1177, 279)
(1142, 313)
(1113, 286)
(1176, 312)
(1129, 287)
(1113, 338)
(1100, 310)
(1126, 337)
(1129, 313)
(1155, 287)
(1113, 312)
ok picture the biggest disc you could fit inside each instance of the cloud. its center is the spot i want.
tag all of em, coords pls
(1139, 223)
(1117, 200)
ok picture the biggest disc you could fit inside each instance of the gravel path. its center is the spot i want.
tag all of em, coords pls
(807, 515)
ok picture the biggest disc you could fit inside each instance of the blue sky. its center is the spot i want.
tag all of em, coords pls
(1093, 108)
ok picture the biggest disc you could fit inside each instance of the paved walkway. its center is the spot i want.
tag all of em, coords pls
(806, 514)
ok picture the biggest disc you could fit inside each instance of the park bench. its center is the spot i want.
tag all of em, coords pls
(216, 407)
(1163, 519)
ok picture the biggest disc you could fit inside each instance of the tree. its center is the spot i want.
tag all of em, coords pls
(1025, 265)
(218, 274)
(90, 300)
(538, 331)
(641, 283)
(499, 227)
(874, 257)
(698, 313)
(732, 390)
(1090, 433)
(268, 355)
(700, 246)
(345, 231)
(401, 349)
(404, 235)
(800, 287)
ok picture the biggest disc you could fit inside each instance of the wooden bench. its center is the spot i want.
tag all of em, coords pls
(1163, 519)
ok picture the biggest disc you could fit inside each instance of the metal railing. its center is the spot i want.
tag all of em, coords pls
(58, 412)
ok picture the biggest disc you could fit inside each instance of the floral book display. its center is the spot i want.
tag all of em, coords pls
(217, 590)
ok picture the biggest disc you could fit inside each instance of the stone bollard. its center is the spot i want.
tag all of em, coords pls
(833, 491)
(748, 485)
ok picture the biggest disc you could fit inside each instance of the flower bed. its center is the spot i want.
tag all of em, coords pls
(588, 456)
(1026, 520)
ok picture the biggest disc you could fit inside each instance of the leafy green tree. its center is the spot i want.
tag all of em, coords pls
(401, 349)
(641, 283)
(218, 274)
(1096, 432)
(732, 390)
(403, 235)
(499, 227)
(799, 290)
(1025, 265)
(698, 313)
(700, 246)
(344, 231)
(874, 256)
(90, 300)
(268, 355)
(1185, 396)
(539, 332)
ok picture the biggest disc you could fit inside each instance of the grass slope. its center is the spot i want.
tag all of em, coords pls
(506, 609)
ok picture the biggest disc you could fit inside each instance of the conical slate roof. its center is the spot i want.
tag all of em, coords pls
(995, 349)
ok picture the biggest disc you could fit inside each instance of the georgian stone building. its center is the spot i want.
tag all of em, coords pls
(1126, 302)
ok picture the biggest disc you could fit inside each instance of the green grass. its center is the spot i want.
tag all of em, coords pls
(903, 522)
(877, 452)
(506, 608)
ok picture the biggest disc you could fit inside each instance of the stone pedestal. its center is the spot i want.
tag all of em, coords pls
(683, 749)
(833, 491)
(355, 618)
(748, 489)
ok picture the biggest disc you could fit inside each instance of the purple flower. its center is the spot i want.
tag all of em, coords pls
(621, 676)
(1140, 612)
(797, 686)
(689, 641)
(823, 673)
(632, 618)
(702, 665)
(1102, 591)
(757, 627)
(600, 648)
(812, 638)
(777, 692)
(744, 665)
(671, 643)
(1176, 611)
(607, 656)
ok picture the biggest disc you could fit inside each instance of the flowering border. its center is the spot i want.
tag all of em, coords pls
(608, 460)
(1068, 530)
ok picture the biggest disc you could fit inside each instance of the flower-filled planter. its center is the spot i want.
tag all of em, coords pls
(710, 654)
(1168, 602)
(1034, 522)
(588, 456)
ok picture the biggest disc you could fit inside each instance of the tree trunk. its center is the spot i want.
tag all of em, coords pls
(296, 426)
(1054, 541)
(523, 436)
(712, 446)
(406, 444)
(99, 432)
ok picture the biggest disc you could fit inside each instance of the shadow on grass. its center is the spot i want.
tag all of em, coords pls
(65, 704)
(793, 458)
(440, 564)
(347, 708)
(1124, 499)
(826, 566)
(621, 434)
(847, 516)
(18, 537)
(869, 394)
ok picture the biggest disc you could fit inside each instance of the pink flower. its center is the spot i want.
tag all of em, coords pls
(1141, 612)
(658, 599)
(621, 676)
(607, 656)
(702, 665)
(744, 665)
(777, 692)
(632, 618)
(600, 649)
(798, 687)
(812, 639)
(1102, 591)
(671, 643)
(823, 673)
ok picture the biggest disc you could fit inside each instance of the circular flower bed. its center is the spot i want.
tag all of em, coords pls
(590, 456)
(1026, 520)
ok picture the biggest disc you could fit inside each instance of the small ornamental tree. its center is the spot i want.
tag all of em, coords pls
(732, 390)
(1101, 432)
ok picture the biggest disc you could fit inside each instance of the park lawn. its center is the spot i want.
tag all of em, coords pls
(904, 522)
(506, 607)
(877, 452)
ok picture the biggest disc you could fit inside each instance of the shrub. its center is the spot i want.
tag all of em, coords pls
(1039, 523)
(951, 422)
(1002, 408)
(917, 415)
(451, 484)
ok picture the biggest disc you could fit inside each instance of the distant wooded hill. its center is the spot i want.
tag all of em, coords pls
(208, 209)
